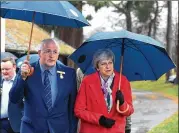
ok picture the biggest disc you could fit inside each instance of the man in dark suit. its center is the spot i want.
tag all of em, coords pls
(49, 90)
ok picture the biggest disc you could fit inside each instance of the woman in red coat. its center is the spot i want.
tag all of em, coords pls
(96, 100)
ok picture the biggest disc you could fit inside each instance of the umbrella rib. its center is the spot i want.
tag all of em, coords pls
(77, 24)
(5, 13)
(144, 57)
(121, 45)
(125, 46)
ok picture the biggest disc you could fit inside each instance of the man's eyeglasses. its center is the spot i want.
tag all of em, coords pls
(50, 52)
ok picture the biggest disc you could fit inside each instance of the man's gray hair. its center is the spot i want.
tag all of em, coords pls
(102, 54)
(48, 41)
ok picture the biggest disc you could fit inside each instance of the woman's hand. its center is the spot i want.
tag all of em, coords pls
(106, 122)
(120, 97)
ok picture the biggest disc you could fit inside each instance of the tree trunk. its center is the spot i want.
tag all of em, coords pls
(169, 33)
(150, 27)
(71, 36)
(128, 16)
(155, 21)
(128, 21)
(177, 79)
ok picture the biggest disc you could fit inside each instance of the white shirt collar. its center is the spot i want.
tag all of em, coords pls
(10, 79)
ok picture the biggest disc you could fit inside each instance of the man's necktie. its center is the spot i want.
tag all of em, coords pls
(47, 90)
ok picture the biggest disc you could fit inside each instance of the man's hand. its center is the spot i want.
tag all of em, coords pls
(26, 69)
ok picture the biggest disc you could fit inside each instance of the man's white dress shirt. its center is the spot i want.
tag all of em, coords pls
(6, 86)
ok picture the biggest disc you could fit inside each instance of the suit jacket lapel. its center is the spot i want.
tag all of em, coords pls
(97, 91)
(60, 82)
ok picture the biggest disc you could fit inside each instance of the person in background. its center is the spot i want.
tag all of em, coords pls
(128, 125)
(8, 73)
(96, 100)
(79, 77)
(49, 90)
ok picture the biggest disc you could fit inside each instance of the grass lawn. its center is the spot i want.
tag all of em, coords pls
(169, 90)
(170, 125)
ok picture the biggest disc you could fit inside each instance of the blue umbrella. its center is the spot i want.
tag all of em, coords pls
(32, 58)
(138, 57)
(143, 58)
(60, 13)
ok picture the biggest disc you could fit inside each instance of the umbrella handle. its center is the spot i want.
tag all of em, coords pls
(120, 73)
(28, 73)
(117, 108)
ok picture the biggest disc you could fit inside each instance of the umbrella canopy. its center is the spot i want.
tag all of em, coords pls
(143, 57)
(32, 58)
(60, 13)
(7, 55)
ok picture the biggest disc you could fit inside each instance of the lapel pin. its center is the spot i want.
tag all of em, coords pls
(61, 74)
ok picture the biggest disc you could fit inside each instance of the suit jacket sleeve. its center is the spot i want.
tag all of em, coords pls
(16, 93)
(72, 119)
(81, 107)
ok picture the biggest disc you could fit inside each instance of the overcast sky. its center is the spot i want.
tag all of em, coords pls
(101, 17)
